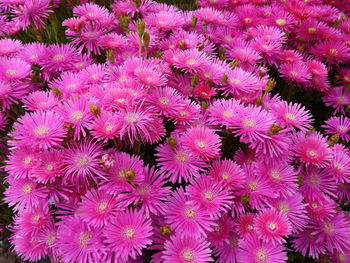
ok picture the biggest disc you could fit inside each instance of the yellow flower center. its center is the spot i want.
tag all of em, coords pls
(283, 207)
(261, 255)
(248, 122)
(275, 175)
(311, 30)
(208, 195)
(200, 144)
(191, 62)
(182, 157)
(190, 213)
(27, 189)
(58, 57)
(188, 255)
(272, 226)
(131, 118)
(11, 72)
(290, 116)
(328, 227)
(82, 161)
(102, 206)
(84, 238)
(40, 130)
(280, 21)
(77, 115)
(235, 81)
(164, 101)
(253, 186)
(49, 167)
(129, 233)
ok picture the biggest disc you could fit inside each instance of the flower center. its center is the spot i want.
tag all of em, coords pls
(235, 81)
(164, 101)
(36, 218)
(129, 233)
(338, 166)
(58, 57)
(11, 72)
(181, 157)
(188, 255)
(314, 205)
(272, 226)
(50, 239)
(109, 127)
(275, 175)
(314, 181)
(84, 238)
(284, 207)
(248, 122)
(200, 144)
(77, 115)
(253, 186)
(208, 195)
(50, 167)
(328, 227)
(40, 130)
(131, 118)
(333, 52)
(27, 160)
(312, 154)
(290, 116)
(342, 129)
(102, 206)
(190, 213)
(27, 188)
(280, 21)
(82, 161)
(227, 114)
(191, 62)
(311, 30)
(262, 255)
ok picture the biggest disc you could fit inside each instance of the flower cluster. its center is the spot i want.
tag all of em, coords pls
(160, 135)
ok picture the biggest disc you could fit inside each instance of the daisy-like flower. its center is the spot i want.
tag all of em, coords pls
(227, 252)
(50, 167)
(58, 57)
(34, 218)
(209, 15)
(292, 115)
(333, 233)
(251, 124)
(191, 61)
(272, 225)
(165, 20)
(306, 243)
(150, 78)
(296, 72)
(187, 217)
(333, 51)
(166, 100)
(125, 170)
(23, 193)
(182, 249)
(281, 176)
(255, 250)
(11, 92)
(221, 112)
(21, 161)
(135, 121)
(228, 173)
(13, 69)
(92, 12)
(39, 129)
(221, 231)
(76, 111)
(34, 12)
(40, 101)
(205, 192)
(319, 75)
(338, 98)
(339, 166)
(315, 182)
(240, 81)
(78, 242)
(312, 149)
(202, 142)
(178, 163)
(128, 234)
(112, 41)
(97, 208)
(32, 52)
(294, 208)
(81, 162)
(68, 83)
(106, 126)
(187, 114)
(151, 192)
(338, 125)
(9, 47)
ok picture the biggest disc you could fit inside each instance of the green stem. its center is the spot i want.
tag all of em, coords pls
(140, 46)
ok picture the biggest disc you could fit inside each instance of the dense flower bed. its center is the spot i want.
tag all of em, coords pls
(134, 131)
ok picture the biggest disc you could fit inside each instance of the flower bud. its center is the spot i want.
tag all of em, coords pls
(172, 142)
(194, 80)
(193, 21)
(146, 39)
(224, 78)
(165, 230)
(333, 140)
(129, 175)
(245, 198)
(95, 109)
(110, 56)
(140, 26)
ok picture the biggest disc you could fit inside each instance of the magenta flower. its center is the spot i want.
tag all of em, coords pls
(128, 234)
(98, 208)
(271, 225)
(213, 197)
(41, 101)
(77, 242)
(338, 125)
(338, 98)
(306, 242)
(40, 129)
(81, 162)
(178, 163)
(312, 149)
(106, 126)
(182, 249)
(50, 167)
(202, 142)
(186, 216)
(228, 251)
(254, 250)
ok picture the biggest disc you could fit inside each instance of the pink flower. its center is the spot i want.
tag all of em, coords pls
(306, 243)
(338, 125)
(128, 234)
(271, 225)
(254, 250)
(98, 208)
(202, 142)
(40, 129)
(182, 249)
(312, 149)
(187, 217)
(227, 252)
